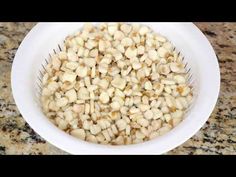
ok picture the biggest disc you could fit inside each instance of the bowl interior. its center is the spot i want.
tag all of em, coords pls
(45, 37)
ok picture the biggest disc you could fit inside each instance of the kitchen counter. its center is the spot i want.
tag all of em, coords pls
(217, 136)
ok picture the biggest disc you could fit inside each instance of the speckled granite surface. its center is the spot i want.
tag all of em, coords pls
(218, 136)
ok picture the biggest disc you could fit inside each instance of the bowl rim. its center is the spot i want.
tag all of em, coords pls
(71, 144)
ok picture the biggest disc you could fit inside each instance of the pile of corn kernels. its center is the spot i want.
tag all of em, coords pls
(116, 83)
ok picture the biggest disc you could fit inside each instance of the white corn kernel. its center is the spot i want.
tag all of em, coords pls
(72, 56)
(164, 69)
(91, 106)
(126, 42)
(189, 98)
(124, 110)
(110, 132)
(143, 30)
(119, 35)
(155, 103)
(176, 67)
(53, 86)
(176, 121)
(152, 54)
(103, 123)
(101, 46)
(131, 52)
(102, 68)
(148, 85)
(72, 65)
(52, 106)
(120, 48)
(167, 89)
(162, 52)
(90, 62)
(78, 108)
(103, 83)
(62, 55)
(168, 81)
(112, 28)
(90, 44)
(183, 102)
(93, 53)
(67, 76)
(136, 141)
(95, 129)
(134, 110)
(71, 95)
(177, 114)
(126, 28)
(92, 88)
(118, 99)
(164, 129)
(119, 93)
(127, 130)
(139, 135)
(145, 100)
(167, 117)
(104, 97)
(160, 38)
(87, 109)
(83, 93)
(106, 135)
(118, 83)
(143, 122)
(136, 65)
(91, 138)
(119, 140)
(153, 135)
(156, 124)
(136, 39)
(148, 114)
(79, 133)
(56, 63)
(81, 71)
(114, 129)
(88, 27)
(61, 102)
(87, 81)
(93, 72)
(179, 79)
(144, 131)
(165, 109)
(144, 107)
(110, 91)
(157, 113)
(186, 91)
(178, 104)
(140, 50)
(79, 41)
(86, 125)
(121, 124)
(62, 124)
(169, 102)
(80, 52)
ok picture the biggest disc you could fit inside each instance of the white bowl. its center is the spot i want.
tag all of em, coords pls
(187, 38)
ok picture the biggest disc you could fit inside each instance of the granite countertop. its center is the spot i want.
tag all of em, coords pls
(217, 136)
